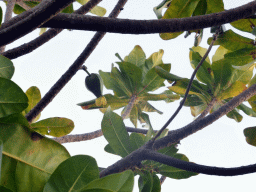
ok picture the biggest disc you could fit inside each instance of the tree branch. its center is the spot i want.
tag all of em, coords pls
(55, 89)
(92, 135)
(45, 37)
(126, 26)
(36, 17)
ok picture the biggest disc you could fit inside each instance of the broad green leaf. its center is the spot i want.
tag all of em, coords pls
(158, 9)
(157, 58)
(235, 115)
(250, 134)
(167, 95)
(201, 8)
(122, 82)
(152, 80)
(176, 173)
(110, 83)
(252, 102)
(219, 54)
(118, 182)
(6, 67)
(193, 100)
(178, 9)
(156, 184)
(137, 140)
(150, 132)
(222, 71)
(4, 189)
(136, 56)
(214, 6)
(34, 96)
(73, 174)
(16, 118)
(68, 9)
(134, 115)
(97, 10)
(108, 149)
(133, 74)
(12, 98)
(145, 182)
(241, 57)
(56, 126)
(253, 81)
(232, 41)
(115, 133)
(204, 73)
(197, 110)
(166, 75)
(244, 24)
(234, 90)
(29, 159)
(247, 110)
(147, 107)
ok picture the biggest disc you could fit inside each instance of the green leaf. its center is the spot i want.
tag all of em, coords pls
(115, 133)
(145, 118)
(247, 110)
(97, 10)
(152, 80)
(42, 30)
(145, 182)
(119, 182)
(246, 25)
(34, 96)
(29, 159)
(12, 98)
(56, 126)
(147, 107)
(178, 9)
(18, 9)
(134, 115)
(250, 134)
(73, 174)
(157, 58)
(219, 54)
(16, 118)
(197, 110)
(68, 9)
(166, 75)
(6, 67)
(108, 149)
(214, 6)
(204, 73)
(241, 57)
(176, 173)
(193, 100)
(232, 41)
(1, 156)
(235, 115)
(234, 90)
(133, 74)
(201, 8)
(137, 140)
(136, 56)
(252, 102)
(4, 189)
(156, 184)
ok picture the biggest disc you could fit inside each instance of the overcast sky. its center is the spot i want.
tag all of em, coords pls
(221, 144)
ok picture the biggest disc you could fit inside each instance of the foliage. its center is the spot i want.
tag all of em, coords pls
(30, 161)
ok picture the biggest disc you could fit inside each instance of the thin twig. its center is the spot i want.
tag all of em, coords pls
(45, 37)
(55, 89)
(188, 88)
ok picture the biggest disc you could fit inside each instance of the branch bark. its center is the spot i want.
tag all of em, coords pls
(45, 37)
(55, 89)
(35, 17)
(126, 26)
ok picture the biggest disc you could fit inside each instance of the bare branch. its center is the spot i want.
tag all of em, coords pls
(36, 17)
(8, 16)
(92, 135)
(45, 37)
(126, 26)
(55, 89)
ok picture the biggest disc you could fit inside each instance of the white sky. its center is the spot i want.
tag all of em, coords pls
(221, 144)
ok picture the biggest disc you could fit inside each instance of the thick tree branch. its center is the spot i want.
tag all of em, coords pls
(55, 89)
(126, 26)
(38, 15)
(177, 135)
(45, 37)
(92, 135)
